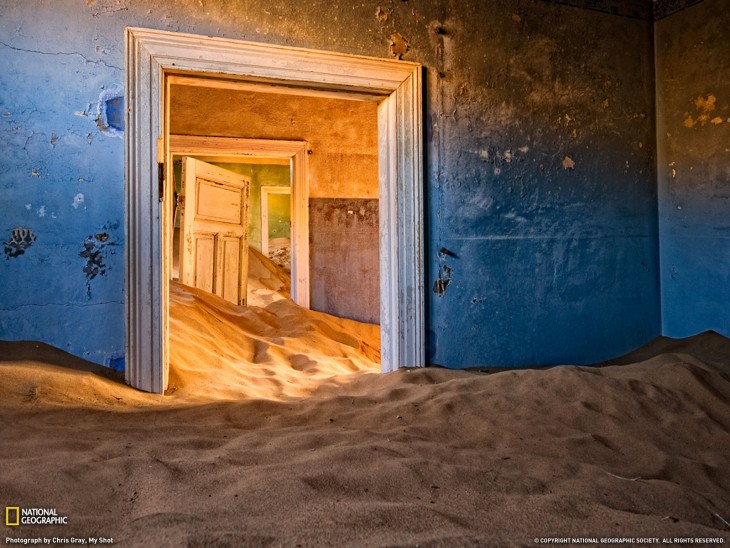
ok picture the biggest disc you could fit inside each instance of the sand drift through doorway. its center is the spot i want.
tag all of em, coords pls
(154, 56)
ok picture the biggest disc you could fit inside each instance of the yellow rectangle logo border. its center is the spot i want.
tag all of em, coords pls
(7, 516)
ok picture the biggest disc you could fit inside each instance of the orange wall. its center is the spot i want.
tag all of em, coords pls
(342, 133)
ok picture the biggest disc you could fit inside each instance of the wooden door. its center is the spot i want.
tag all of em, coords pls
(214, 235)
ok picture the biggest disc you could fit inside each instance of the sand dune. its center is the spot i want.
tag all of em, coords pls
(268, 442)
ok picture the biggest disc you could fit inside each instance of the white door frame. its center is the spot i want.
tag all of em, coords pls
(295, 152)
(151, 56)
(265, 191)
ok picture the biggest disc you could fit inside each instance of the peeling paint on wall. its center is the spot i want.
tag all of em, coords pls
(704, 106)
(445, 272)
(110, 111)
(95, 248)
(398, 46)
(511, 221)
(20, 239)
(693, 65)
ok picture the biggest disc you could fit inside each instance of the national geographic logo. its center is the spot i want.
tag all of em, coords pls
(15, 516)
(12, 516)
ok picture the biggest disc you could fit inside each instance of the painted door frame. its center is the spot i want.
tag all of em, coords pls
(151, 56)
(293, 151)
(266, 190)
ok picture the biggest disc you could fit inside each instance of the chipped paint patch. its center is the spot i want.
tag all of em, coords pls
(41, 211)
(443, 281)
(78, 200)
(21, 238)
(110, 112)
(95, 247)
(568, 163)
(382, 14)
(512, 216)
(398, 46)
(706, 105)
(445, 276)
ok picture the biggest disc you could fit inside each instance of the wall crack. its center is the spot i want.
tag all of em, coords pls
(71, 53)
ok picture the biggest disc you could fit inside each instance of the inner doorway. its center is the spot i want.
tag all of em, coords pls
(395, 86)
(276, 225)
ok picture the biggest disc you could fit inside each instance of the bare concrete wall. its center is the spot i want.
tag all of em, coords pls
(343, 236)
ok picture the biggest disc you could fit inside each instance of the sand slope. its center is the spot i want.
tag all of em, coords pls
(226, 351)
(430, 457)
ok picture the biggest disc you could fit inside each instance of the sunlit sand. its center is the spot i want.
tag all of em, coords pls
(278, 430)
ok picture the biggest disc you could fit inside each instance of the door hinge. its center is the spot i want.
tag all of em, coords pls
(161, 180)
(160, 168)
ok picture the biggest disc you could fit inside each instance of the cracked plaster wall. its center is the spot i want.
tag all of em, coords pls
(693, 99)
(539, 165)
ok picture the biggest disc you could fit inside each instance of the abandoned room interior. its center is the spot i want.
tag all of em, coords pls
(555, 221)
(321, 263)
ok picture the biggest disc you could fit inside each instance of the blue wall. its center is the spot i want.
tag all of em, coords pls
(693, 85)
(540, 166)
(61, 176)
(545, 200)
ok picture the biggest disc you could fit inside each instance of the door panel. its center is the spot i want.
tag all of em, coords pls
(230, 264)
(204, 261)
(218, 202)
(214, 251)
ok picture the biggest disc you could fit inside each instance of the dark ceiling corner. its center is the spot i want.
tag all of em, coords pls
(663, 8)
(635, 9)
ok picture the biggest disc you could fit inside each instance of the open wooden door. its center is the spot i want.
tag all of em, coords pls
(214, 238)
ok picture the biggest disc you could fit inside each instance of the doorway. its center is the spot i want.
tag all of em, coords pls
(233, 150)
(276, 225)
(395, 86)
